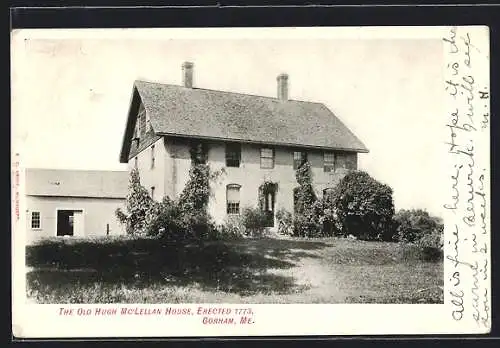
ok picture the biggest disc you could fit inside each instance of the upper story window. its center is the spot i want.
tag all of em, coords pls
(199, 153)
(328, 162)
(148, 122)
(35, 220)
(267, 158)
(152, 156)
(136, 137)
(299, 158)
(136, 162)
(233, 198)
(141, 117)
(233, 154)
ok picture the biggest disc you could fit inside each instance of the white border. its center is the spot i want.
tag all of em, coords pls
(31, 320)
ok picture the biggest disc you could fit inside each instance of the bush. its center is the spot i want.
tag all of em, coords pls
(431, 246)
(424, 231)
(307, 218)
(363, 207)
(285, 222)
(138, 206)
(254, 221)
(229, 230)
(186, 218)
(309, 222)
(331, 222)
(170, 221)
(413, 225)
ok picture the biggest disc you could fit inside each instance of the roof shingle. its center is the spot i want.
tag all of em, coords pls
(76, 183)
(195, 112)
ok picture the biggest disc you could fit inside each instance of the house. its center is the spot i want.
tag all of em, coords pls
(74, 202)
(256, 139)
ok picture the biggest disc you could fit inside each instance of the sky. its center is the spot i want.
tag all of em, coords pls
(71, 91)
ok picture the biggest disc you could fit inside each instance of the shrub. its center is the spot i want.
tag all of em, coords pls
(231, 229)
(307, 220)
(309, 223)
(331, 222)
(254, 221)
(285, 222)
(431, 246)
(426, 232)
(167, 220)
(186, 218)
(138, 206)
(363, 207)
(412, 225)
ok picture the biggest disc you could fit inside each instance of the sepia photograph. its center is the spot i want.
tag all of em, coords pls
(179, 173)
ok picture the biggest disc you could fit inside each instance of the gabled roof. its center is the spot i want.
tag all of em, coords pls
(202, 113)
(76, 183)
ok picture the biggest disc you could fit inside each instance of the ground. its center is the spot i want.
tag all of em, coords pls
(265, 270)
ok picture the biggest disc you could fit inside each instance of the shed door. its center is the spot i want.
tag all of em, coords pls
(78, 225)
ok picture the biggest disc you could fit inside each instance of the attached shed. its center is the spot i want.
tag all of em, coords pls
(76, 203)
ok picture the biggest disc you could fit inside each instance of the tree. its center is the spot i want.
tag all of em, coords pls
(363, 206)
(138, 204)
(184, 218)
(307, 215)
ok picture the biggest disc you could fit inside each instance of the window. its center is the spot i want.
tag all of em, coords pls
(299, 157)
(152, 156)
(136, 138)
(152, 192)
(148, 123)
(328, 162)
(346, 160)
(267, 158)
(35, 220)
(136, 162)
(142, 120)
(199, 153)
(233, 155)
(233, 198)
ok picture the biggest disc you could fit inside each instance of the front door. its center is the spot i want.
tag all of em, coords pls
(268, 202)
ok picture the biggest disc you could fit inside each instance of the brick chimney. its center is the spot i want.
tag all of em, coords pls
(282, 86)
(187, 74)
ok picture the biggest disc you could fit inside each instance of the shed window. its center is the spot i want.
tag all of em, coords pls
(233, 154)
(233, 199)
(299, 157)
(267, 158)
(328, 162)
(35, 220)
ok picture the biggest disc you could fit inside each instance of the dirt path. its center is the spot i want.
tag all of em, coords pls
(316, 281)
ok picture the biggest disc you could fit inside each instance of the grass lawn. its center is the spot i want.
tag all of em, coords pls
(267, 270)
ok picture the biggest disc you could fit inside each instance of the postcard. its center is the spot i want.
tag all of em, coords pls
(250, 182)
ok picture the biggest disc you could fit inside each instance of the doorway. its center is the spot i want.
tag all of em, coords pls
(267, 193)
(69, 223)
